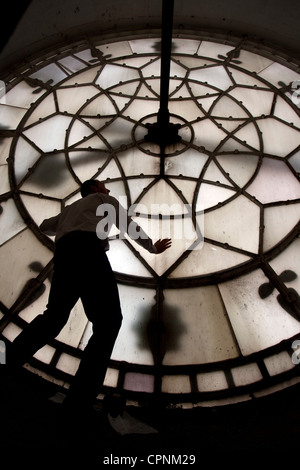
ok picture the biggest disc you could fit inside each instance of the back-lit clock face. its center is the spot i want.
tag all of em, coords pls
(214, 317)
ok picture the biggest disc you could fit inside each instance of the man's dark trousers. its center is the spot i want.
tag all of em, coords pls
(81, 270)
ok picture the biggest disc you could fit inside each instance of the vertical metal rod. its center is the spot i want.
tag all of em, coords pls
(166, 47)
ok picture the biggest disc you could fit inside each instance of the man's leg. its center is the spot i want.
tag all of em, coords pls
(100, 299)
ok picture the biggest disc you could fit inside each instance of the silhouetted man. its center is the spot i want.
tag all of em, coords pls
(82, 270)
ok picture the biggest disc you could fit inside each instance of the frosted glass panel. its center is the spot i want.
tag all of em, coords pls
(133, 344)
(71, 99)
(237, 223)
(287, 266)
(21, 251)
(215, 76)
(25, 157)
(10, 116)
(211, 382)
(258, 323)
(11, 221)
(279, 363)
(72, 332)
(51, 73)
(51, 178)
(176, 384)
(49, 135)
(196, 327)
(274, 182)
(246, 374)
(114, 74)
(208, 259)
(139, 382)
(279, 139)
(123, 260)
(279, 221)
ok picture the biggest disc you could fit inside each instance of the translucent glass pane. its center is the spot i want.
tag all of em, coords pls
(22, 95)
(133, 344)
(118, 132)
(101, 105)
(256, 101)
(139, 382)
(190, 163)
(71, 64)
(237, 223)
(185, 109)
(79, 132)
(295, 162)
(45, 354)
(51, 73)
(207, 259)
(123, 260)
(86, 163)
(278, 221)
(117, 49)
(86, 77)
(216, 77)
(239, 167)
(40, 208)
(284, 111)
(182, 239)
(246, 374)
(277, 73)
(4, 182)
(249, 136)
(142, 46)
(38, 306)
(227, 107)
(141, 108)
(176, 384)
(11, 221)
(196, 327)
(208, 135)
(50, 134)
(279, 363)
(211, 49)
(279, 139)
(135, 162)
(210, 195)
(72, 332)
(114, 74)
(71, 99)
(253, 62)
(44, 109)
(257, 323)
(68, 364)
(25, 157)
(51, 178)
(10, 116)
(212, 381)
(275, 182)
(21, 251)
(4, 149)
(287, 265)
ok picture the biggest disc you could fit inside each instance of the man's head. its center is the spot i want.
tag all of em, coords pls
(93, 186)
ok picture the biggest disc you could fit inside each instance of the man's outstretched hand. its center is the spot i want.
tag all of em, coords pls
(162, 245)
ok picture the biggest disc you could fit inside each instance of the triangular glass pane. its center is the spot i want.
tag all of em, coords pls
(274, 182)
(211, 195)
(213, 173)
(208, 260)
(240, 167)
(278, 222)
(124, 261)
